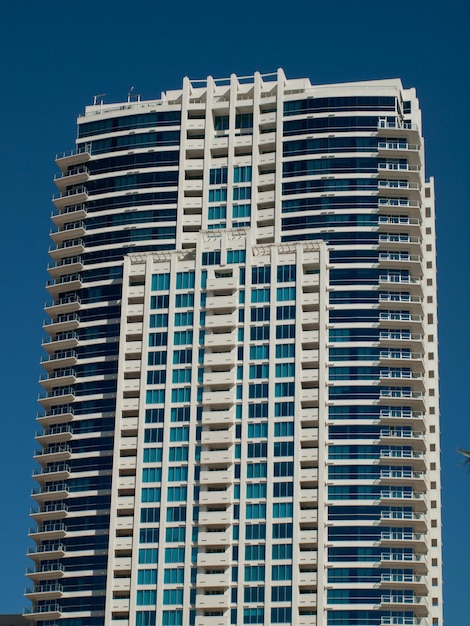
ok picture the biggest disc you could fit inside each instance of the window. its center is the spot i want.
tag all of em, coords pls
(176, 514)
(285, 370)
(258, 390)
(283, 490)
(178, 454)
(286, 312)
(146, 597)
(242, 193)
(242, 174)
(257, 430)
(158, 320)
(175, 534)
(255, 511)
(182, 337)
(282, 572)
(148, 555)
(179, 433)
(255, 553)
(218, 176)
(173, 576)
(177, 494)
(253, 594)
(260, 295)
(172, 618)
(180, 376)
(160, 282)
(216, 212)
(256, 490)
(285, 331)
(259, 371)
(184, 300)
(256, 470)
(284, 389)
(286, 273)
(174, 555)
(259, 352)
(152, 455)
(283, 448)
(260, 275)
(151, 474)
(157, 358)
(151, 494)
(236, 256)
(254, 573)
(255, 531)
(260, 314)
(149, 535)
(259, 410)
(173, 596)
(259, 333)
(180, 414)
(285, 293)
(185, 280)
(184, 319)
(284, 468)
(181, 394)
(147, 577)
(282, 509)
(177, 474)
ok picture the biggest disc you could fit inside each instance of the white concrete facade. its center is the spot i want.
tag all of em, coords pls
(240, 411)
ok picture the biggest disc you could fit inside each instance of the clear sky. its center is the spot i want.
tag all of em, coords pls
(56, 55)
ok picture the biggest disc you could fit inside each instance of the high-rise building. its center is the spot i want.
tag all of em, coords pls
(240, 412)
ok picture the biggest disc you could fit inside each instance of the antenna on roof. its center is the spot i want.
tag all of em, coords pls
(129, 94)
(95, 98)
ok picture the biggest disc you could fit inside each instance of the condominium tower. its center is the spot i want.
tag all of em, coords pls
(239, 417)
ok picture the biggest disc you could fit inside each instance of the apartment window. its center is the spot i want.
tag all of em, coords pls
(160, 282)
(173, 576)
(148, 555)
(173, 596)
(282, 509)
(282, 572)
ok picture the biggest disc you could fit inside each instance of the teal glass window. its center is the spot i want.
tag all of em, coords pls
(242, 174)
(174, 555)
(241, 210)
(255, 552)
(173, 576)
(282, 509)
(177, 494)
(286, 273)
(181, 376)
(178, 454)
(155, 396)
(151, 494)
(218, 195)
(182, 337)
(160, 282)
(146, 597)
(185, 280)
(184, 319)
(148, 555)
(259, 352)
(175, 534)
(179, 433)
(258, 430)
(242, 193)
(257, 470)
(281, 572)
(282, 551)
(255, 511)
(285, 350)
(152, 455)
(284, 429)
(158, 320)
(256, 490)
(181, 394)
(178, 474)
(285, 293)
(173, 596)
(147, 577)
(217, 212)
(254, 573)
(172, 618)
(152, 474)
(184, 300)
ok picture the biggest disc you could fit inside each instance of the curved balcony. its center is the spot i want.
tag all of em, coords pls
(65, 214)
(67, 248)
(45, 571)
(71, 282)
(50, 492)
(57, 395)
(48, 531)
(61, 341)
(66, 304)
(44, 612)
(80, 154)
(73, 175)
(56, 415)
(62, 323)
(53, 510)
(56, 472)
(69, 230)
(46, 551)
(60, 377)
(76, 195)
(49, 591)
(54, 453)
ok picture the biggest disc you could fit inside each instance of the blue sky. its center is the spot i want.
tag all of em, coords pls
(57, 55)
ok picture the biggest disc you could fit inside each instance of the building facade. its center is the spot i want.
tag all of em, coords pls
(240, 420)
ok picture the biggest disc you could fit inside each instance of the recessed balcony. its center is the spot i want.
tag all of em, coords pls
(212, 559)
(213, 580)
(212, 600)
(216, 476)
